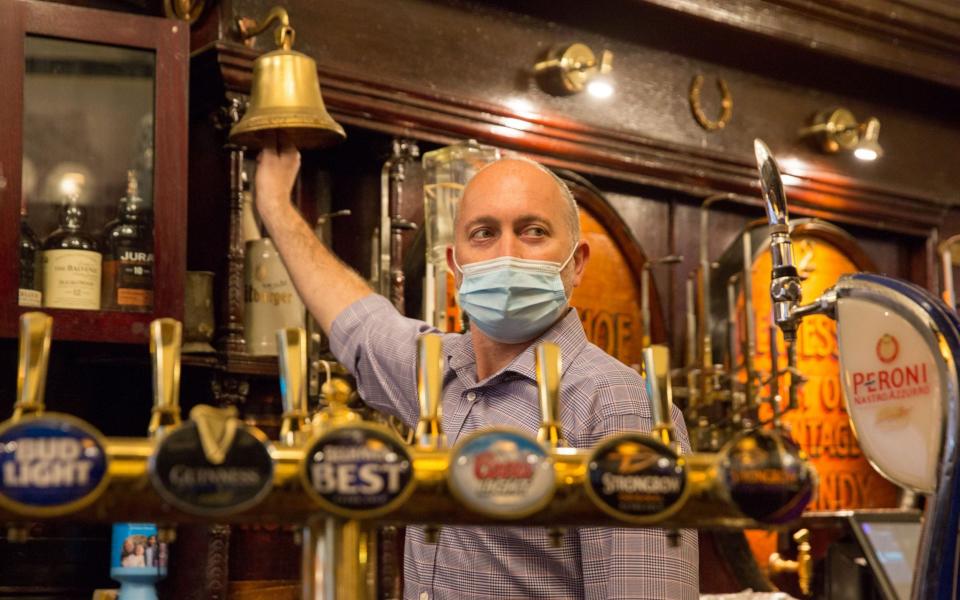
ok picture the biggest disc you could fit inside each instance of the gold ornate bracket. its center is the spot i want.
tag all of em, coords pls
(726, 104)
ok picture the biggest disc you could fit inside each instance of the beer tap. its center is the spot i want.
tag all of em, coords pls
(36, 330)
(648, 266)
(785, 290)
(292, 346)
(656, 363)
(429, 432)
(548, 369)
(165, 338)
(803, 566)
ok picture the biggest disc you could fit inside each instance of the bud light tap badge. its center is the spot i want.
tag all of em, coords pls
(50, 465)
(358, 471)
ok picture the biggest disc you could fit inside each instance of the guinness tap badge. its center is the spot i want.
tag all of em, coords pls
(635, 478)
(212, 465)
(501, 473)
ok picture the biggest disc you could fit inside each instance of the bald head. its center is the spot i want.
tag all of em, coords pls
(500, 179)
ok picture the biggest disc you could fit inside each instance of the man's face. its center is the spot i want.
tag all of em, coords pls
(513, 208)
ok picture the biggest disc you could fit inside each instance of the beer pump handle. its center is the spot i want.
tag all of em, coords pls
(165, 338)
(656, 362)
(429, 433)
(548, 368)
(36, 329)
(784, 281)
(292, 347)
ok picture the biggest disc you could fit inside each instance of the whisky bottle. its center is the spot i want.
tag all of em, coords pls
(30, 268)
(71, 262)
(128, 254)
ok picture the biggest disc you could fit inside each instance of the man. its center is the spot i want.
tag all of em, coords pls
(517, 257)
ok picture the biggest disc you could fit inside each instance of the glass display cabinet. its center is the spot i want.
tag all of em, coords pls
(92, 169)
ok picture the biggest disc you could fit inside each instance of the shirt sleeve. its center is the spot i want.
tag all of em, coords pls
(640, 564)
(378, 346)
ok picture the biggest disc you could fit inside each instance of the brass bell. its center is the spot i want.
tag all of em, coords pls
(285, 95)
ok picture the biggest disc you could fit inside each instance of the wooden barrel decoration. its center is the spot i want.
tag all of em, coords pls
(609, 297)
(820, 424)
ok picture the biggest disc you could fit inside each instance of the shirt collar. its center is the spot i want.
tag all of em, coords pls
(567, 333)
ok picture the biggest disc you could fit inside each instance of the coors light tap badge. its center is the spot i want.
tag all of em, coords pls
(361, 471)
(501, 473)
(634, 478)
(212, 465)
(50, 465)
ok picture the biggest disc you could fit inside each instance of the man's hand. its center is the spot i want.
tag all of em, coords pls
(277, 168)
(326, 285)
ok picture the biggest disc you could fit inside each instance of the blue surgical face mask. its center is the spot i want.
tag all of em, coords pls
(513, 300)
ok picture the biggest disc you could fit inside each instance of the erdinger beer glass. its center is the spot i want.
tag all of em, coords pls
(445, 173)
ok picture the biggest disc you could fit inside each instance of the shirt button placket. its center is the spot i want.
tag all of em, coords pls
(424, 596)
(471, 396)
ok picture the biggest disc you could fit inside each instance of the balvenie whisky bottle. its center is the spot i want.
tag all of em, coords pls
(30, 268)
(71, 262)
(128, 255)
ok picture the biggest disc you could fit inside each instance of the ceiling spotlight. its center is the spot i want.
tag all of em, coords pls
(837, 130)
(575, 68)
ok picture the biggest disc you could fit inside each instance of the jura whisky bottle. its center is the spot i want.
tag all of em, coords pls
(30, 270)
(128, 254)
(71, 263)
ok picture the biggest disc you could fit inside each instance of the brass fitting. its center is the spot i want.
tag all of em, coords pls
(803, 566)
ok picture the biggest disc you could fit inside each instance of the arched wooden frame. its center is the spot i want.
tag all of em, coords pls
(592, 200)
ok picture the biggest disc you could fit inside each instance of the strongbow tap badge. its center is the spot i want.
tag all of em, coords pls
(635, 478)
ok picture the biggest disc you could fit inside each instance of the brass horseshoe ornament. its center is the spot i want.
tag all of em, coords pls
(726, 103)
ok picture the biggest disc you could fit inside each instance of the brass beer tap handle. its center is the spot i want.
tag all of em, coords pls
(548, 368)
(803, 566)
(36, 329)
(292, 346)
(654, 357)
(165, 338)
(429, 433)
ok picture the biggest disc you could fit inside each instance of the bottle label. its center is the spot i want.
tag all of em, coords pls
(50, 465)
(358, 471)
(635, 478)
(501, 473)
(71, 279)
(128, 280)
(31, 298)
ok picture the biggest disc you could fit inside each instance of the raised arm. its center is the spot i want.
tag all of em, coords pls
(326, 285)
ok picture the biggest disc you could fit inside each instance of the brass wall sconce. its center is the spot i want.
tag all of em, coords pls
(284, 93)
(836, 129)
(574, 68)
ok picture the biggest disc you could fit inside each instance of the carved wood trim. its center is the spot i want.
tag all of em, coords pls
(911, 37)
(394, 109)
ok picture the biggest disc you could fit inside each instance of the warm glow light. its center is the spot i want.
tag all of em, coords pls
(517, 123)
(865, 153)
(522, 106)
(600, 88)
(71, 184)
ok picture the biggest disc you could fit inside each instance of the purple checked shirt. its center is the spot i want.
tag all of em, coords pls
(599, 396)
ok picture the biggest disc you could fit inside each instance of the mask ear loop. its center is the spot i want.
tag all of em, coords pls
(576, 245)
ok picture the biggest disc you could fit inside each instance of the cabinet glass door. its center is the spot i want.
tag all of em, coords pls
(86, 236)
